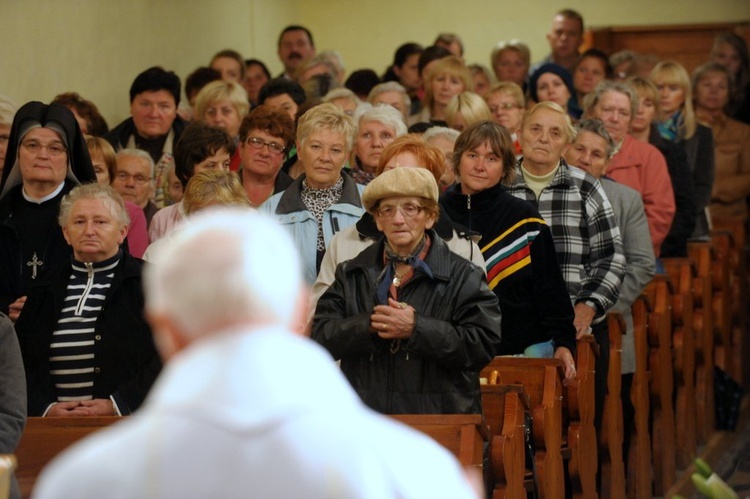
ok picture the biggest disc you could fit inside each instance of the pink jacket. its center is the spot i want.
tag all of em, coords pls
(642, 167)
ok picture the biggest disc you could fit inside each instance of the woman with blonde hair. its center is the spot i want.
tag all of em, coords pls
(678, 123)
(447, 77)
(511, 60)
(223, 104)
(466, 109)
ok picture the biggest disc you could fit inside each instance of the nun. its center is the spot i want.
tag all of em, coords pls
(46, 158)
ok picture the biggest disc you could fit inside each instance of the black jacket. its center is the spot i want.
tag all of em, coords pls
(120, 134)
(522, 267)
(126, 359)
(436, 370)
(683, 224)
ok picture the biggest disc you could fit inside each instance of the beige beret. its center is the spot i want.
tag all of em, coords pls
(403, 181)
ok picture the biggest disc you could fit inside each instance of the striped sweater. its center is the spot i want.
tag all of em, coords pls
(522, 267)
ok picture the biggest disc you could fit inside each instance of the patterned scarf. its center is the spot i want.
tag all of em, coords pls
(670, 128)
(415, 260)
(317, 201)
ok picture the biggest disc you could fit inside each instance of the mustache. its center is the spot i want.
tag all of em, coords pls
(293, 55)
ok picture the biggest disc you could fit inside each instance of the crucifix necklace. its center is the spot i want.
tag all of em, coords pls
(34, 263)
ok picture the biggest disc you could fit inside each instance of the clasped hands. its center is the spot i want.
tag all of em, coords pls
(82, 408)
(394, 321)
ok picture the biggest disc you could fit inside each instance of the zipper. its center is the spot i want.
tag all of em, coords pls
(87, 289)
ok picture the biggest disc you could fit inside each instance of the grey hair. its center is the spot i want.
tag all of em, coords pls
(569, 129)
(390, 86)
(104, 193)
(382, 113)
(139, 153)
(596, 127)
(341, 93)
(593, 97)
(8, 110)
(440, 131)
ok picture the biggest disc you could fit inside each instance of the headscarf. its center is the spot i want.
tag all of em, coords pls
(55, 117)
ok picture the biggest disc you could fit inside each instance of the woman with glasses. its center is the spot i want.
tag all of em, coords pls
(517, 245)
(266, 134)
(46, 158)
(507, 105)
(323, 200)
(411, 322)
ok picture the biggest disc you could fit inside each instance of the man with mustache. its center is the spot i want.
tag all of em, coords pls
(295, 45)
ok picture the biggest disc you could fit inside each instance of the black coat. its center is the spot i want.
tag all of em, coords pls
(126, 359)
(435, 371)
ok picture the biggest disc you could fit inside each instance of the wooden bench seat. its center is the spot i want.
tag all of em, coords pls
(45, 438)
(611, 439)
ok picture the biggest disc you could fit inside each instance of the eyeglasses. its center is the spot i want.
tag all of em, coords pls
(138, 179)
(407, 210)
(34, 147)
(257, 143)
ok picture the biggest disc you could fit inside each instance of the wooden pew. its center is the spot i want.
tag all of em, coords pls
(711, 317)
(639, 453)
(505, 408)
(685, 322)
(661, 387)
(738, 283)
(611, 439)
(580, 448)
(45, 438)
(462, 434)
(542, 382)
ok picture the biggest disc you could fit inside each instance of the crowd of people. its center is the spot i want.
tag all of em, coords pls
(442, 213)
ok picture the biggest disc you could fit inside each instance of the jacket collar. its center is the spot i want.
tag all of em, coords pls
(562, 176)
(438, 258)
(291, 200)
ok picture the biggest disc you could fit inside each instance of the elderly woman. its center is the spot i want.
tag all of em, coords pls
(678, 124)
(554, 83)
(510, 61)
(465, 109)
(411, 321)
(376, 128)
(405, 152)
(343, 98)
(223, 104)
(522, 267)
(105, 163)
(447, 77)
(507, 104)
(323, 200)
(712, 86)
(46, 158)
(393, 94)
(86, 346)
(265, 135)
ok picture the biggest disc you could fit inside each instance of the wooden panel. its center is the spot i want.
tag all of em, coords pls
(688, 44)
(45, 438)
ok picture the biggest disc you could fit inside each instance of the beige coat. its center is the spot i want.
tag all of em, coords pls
(732, 181)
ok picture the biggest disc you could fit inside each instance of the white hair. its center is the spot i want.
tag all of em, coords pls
(225, 267)
(440, 131)
(390, 86)
(382, 113)
(139, 153)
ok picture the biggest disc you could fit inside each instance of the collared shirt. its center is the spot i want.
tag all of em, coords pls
(586, 236)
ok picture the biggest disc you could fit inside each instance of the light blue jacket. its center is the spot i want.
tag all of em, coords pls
(291, 212)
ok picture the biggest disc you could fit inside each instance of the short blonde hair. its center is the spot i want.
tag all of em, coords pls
(451, 65)
(104, 193)
(213, 187)
(470, 106)
(508, 88)
(330, 117)
(222, 90)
